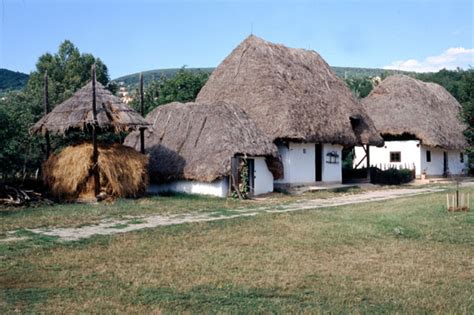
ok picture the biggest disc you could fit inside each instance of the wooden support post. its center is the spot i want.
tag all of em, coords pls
(46, 112)
(142, 111)
(95, 151)
(368, 163)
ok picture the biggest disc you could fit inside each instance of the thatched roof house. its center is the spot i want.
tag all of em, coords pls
(195, 142)
(76, 113)
(291, 94)
(404, 105)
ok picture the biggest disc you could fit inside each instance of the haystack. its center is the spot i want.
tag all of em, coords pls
(402, 105)
(197, 141)
(291, 94)
(76, 114)
(123, 172)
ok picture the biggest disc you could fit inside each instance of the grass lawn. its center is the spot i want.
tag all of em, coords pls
(399, 256)
(67, 215)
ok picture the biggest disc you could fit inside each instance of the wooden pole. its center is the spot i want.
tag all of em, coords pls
(142, 111)
(46, 112)
(95, 151)
(368, 163)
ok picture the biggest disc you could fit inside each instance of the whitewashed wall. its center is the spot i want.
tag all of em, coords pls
(218, 188)
(410, 154)
(413, 153)
(263, 178)
(298, 163)
(332, 172)
(436, 166)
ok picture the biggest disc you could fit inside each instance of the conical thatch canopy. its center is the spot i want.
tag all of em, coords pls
(76, 113)
(290, 94)
(197, 141)
(403, 105)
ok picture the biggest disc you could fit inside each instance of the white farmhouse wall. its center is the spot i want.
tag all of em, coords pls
(436, 166)
(218, 188)
(409, 149)
(332, 172)
(263, 178)
(412, 153)
(298, 163)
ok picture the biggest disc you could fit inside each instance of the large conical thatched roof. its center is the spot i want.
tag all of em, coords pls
(290, 94)
(403, 105)
(76, 113)
(197, 141)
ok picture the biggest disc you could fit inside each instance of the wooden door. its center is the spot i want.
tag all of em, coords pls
(319, 162)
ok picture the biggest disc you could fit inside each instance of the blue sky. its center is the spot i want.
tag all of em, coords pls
(132, 36)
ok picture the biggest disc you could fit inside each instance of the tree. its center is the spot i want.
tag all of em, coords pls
(68, 70)
(184, 86)
(360, 87)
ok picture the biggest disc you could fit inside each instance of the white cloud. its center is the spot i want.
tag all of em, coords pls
(449, 59)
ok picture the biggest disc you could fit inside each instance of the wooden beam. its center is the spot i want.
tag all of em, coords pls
(95, 151)
(46, 112)
(368, 162)
(142, 111)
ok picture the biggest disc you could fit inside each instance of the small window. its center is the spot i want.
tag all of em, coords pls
(461, 157)
(395, 157)
(304, 151)
(428, 156)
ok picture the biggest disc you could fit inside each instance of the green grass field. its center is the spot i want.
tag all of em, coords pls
(400, 256)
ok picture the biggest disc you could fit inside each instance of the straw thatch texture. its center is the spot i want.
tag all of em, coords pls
(76, 113)
(123, 172)
(290, 94)
(403, 105)
(197, 141)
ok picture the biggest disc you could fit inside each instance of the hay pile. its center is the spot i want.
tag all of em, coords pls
(123, 172)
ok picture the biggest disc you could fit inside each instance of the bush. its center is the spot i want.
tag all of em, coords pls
(391, 176)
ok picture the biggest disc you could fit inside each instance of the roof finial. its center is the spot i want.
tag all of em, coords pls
(251, 28)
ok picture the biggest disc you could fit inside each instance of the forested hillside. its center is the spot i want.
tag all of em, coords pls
(11, 80)
(131, 80)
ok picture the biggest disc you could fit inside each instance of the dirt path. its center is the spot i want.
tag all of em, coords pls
(134, 223)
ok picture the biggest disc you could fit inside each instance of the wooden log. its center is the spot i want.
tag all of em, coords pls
(95, 151)
(46, 112)
(142, 111)
(447, 201)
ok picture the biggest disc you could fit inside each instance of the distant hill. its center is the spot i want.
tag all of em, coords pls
(11, 80)
(343, 72)
(150, 75)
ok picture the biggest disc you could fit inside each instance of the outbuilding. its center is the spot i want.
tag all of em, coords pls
(421, 125)
(200, 148)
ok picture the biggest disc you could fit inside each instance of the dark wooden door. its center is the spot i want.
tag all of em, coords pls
(445, 163)
(251, 169)
(319, 162)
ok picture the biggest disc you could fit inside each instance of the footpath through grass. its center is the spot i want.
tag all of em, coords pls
(399, 256)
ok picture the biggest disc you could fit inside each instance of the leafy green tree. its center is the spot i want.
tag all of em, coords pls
(68, 70)
(360, 87)
(182, 87)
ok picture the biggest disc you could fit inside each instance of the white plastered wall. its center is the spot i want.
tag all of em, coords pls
(436, 166)
(299, 163)
(332, 172)
(380, 157)
(263, 178)
(218, 188)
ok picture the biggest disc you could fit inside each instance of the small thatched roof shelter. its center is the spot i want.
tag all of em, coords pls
(197, 141)
(76, 114)
(123, 172)
(290, 93)
(402, 105)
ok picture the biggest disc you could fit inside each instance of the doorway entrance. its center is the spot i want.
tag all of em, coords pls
(319, 162)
